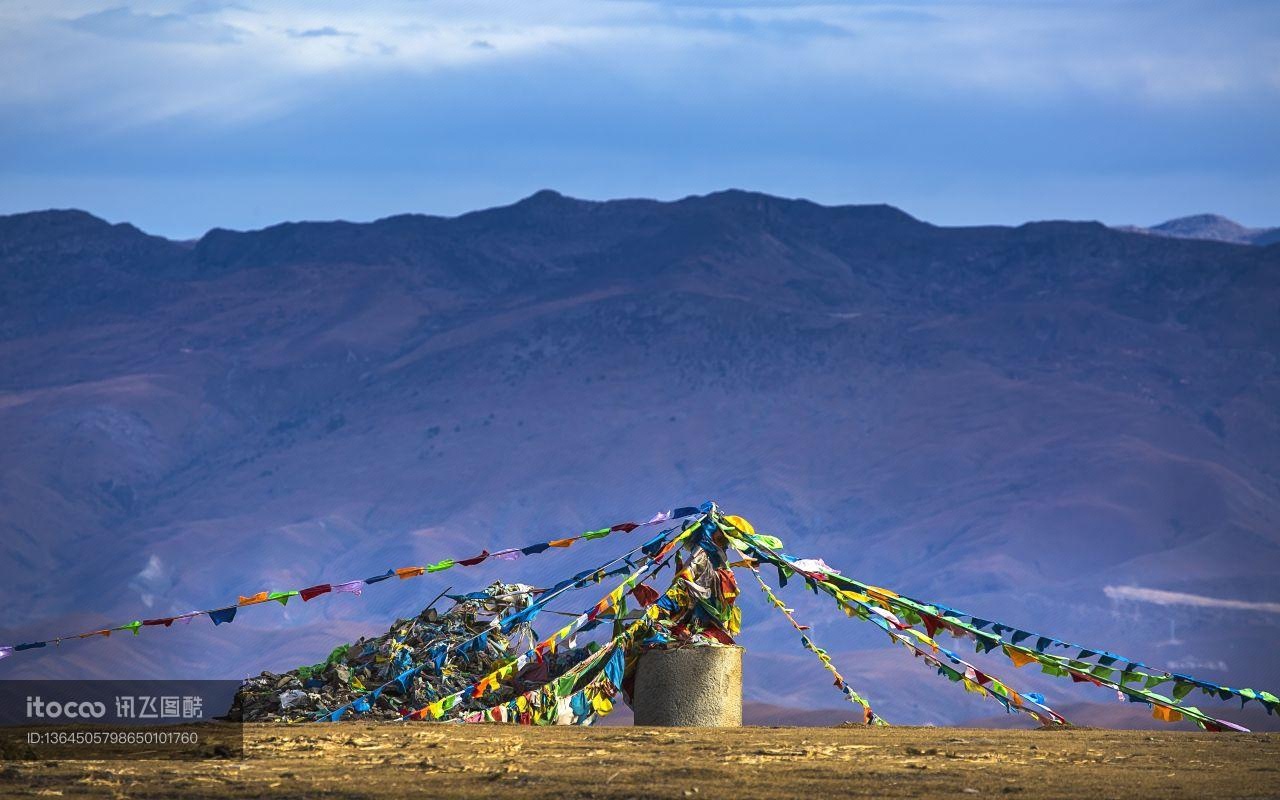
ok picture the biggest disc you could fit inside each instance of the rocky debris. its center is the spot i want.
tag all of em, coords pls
(432, 640)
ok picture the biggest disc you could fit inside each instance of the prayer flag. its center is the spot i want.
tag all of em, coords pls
(315, 591)
(1019, 658)
(471, 562)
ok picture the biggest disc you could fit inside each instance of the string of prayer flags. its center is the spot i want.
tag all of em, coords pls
(868, 716)
(1082, 671)
(438, 708)
(897, 614)
(505, 625)
(973, 680)
(936, 616)
(556, 702)
(222, 615)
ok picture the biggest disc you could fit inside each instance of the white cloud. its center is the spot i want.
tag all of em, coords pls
(1164, 598)
(154, 60)
(1194, 664)
(153, 580)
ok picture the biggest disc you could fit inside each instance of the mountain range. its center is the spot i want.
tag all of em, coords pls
(1036, 424)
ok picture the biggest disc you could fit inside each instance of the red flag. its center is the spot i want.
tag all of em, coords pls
(645, 595)
(931, 624)
(471, 562)
(315, 591)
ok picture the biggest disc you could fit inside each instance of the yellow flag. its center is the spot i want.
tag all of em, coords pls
(1019, 658)
(741, 524)
(882, 590)
(733, 625)
(601, 704)
(923, 637)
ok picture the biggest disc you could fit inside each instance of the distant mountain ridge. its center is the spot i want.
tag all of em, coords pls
(1008, 419)
(1211, 227)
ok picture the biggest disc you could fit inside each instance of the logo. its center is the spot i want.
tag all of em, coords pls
(38, 708)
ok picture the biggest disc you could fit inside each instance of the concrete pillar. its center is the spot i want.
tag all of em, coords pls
(689, 687)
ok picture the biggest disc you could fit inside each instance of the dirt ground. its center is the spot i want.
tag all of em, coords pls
(387, 760)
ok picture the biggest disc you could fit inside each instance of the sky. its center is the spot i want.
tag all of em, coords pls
(184, 116)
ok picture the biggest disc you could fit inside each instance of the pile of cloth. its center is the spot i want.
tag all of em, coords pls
(482, 661)
(418, 660)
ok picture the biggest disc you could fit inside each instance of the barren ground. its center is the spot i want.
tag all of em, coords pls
(390, 760)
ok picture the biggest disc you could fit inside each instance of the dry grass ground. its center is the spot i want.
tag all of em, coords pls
(393, 760)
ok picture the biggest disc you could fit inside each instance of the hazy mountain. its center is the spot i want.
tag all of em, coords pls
(1211, 227)
(1007, 419)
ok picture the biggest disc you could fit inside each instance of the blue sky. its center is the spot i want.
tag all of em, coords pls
(181, 116)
